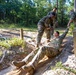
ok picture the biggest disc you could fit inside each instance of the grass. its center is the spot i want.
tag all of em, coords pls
(32, 28)
(12, 42)
(60, 66)
(15, 41)
(18, 26)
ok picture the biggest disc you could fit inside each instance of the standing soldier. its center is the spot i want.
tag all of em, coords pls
(54, 22)
(72, 17)
(44, 25)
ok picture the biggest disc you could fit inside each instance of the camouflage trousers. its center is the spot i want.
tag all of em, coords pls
(41, 30)
(34, 57)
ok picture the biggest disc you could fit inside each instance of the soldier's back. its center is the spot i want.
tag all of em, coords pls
(42, 21)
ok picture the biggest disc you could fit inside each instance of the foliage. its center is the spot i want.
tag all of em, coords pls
(29, 12)
(71, 28)
(4, 44)
(59, 65)
(12, 42)
(18, 26)
(16, 42)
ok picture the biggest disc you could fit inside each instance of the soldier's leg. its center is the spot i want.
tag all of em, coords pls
(26, 60)
(40, 54)
(40, 33)
(29, 57)
(51, 52)
(48, 34)
(45, 50)
(52, 31)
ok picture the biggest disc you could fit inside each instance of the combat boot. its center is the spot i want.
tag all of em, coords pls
(18, 63)
(28, 69)
(31, 72)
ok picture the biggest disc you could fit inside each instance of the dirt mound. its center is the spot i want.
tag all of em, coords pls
(15, 53)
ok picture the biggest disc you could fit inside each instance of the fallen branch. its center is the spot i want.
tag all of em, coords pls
(4, 54)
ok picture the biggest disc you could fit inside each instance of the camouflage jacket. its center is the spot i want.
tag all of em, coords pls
(56, 42)
(45, 21)
(73, 15)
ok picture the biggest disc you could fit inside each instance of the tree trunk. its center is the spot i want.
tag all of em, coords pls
(57, 9)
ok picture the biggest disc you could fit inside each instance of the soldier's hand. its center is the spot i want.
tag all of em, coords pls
(70, 21)
(68, 26)
(48, 28)
(51, 28)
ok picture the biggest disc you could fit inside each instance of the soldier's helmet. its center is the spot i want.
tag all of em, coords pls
(52, 14)
(71, 12)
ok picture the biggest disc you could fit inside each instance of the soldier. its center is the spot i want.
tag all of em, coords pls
(54, 22)
(50, 50)
(44, 25)
(72, 17)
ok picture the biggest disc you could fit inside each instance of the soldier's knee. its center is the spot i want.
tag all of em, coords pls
(43, 48)
(40, 33)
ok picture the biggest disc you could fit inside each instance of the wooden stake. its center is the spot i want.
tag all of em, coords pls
(21, 33)
(74, 39)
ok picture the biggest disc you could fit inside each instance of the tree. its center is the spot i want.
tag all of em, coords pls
(29, 12)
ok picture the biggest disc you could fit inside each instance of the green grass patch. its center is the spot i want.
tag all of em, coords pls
(32, 28)
(60, 66)
(4, 44)
(16, 42)
(18, 26)
(12, 42)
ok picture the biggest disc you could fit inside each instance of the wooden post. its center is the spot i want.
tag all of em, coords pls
(74, 40)
(75, 5)
(74, 31)
(21, 33)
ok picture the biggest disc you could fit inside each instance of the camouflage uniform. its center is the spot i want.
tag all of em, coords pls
(54, 22)
(72, 17)
(52, 49)
(43, 24)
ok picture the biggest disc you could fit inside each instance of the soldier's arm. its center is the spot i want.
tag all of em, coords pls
(55, 17)
(72, 17)
(64, 34)
(47, 23)
(49, 13)
(70, 21)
